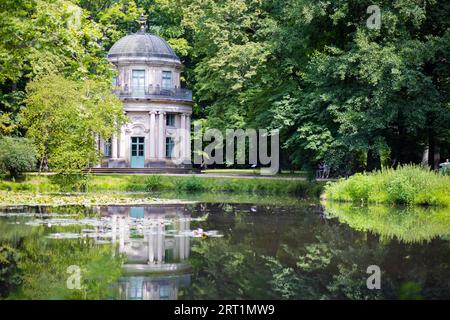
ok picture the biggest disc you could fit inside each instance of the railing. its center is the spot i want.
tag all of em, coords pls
(150, 91)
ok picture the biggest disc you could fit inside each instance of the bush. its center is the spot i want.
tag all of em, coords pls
(192, 184)
(401, 190)
(75, 182)
(406, 185)
(16, 156)
(445, 170)
(153, 183)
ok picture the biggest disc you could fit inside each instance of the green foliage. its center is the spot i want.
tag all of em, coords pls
(191, 184)
(63, 118)
(408, 224)
(71, 182)
(9, 277)
(153, 183)
(44, 267)
(410, 291)
(337, 90)
(221, 262)
(142, 183)
(411, 185)
(49, 36)
(357, 98)
(16, 156)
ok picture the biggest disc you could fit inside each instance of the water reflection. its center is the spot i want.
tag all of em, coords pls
(407, 224)
(266, 252)
(155, 241)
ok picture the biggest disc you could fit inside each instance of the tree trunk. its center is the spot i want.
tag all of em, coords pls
(434, 152)
(373, 161)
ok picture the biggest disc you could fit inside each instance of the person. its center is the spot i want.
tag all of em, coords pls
(319, 171)
(444, 164)
(326, 171)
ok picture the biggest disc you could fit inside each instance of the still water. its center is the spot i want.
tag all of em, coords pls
(222, 251)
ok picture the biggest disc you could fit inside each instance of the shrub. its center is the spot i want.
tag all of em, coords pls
(153, 183)
(445, 170)
(401, 190)
(406, 185)
(192, 184)
(74, 182)
(16, 156)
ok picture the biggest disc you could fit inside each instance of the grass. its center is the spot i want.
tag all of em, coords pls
(253, 172)
(195, 184)
(152, 183)
(406, 185)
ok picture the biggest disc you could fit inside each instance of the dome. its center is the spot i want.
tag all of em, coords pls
(142, 44)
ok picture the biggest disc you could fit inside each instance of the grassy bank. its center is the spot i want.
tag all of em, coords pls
(409, 185)
(152, 183)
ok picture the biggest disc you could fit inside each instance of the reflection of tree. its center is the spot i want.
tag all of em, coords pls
(37, 266)
(226, 271)
(408, 224)
(43, 266)
(312, 258)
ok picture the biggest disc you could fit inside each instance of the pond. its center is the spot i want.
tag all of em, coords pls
(225, 250)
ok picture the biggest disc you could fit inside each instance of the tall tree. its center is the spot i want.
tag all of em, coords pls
(64, 118)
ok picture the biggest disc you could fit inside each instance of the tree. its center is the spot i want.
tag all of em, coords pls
(65, 117)
(16, 156)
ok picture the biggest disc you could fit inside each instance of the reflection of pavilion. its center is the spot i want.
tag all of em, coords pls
(156, 244)
(152, 288)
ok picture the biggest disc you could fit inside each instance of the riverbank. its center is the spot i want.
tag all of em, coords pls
(152, 183)
(407, 185)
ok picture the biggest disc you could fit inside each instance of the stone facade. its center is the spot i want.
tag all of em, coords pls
(148, 84)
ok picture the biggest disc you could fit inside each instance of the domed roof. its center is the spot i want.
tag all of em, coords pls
(142, 44)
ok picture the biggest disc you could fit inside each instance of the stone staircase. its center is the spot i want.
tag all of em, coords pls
(154, 170)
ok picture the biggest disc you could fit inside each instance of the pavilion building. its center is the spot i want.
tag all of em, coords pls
(148, 84)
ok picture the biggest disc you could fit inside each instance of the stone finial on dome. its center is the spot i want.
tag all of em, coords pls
(142, 22)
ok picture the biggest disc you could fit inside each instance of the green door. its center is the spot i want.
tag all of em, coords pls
(137, 212)
(137, 152)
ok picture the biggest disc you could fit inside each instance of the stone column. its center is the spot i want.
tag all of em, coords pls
(188, 138)
(123, 141)
(187, 227)
(114, 146)
(151, 253)
(152, 134)
(161, 135)
(160, 243)
(182, 138)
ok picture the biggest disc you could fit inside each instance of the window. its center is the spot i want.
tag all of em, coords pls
(107, 148)
(164, 292)
(115, 82)
(169, 147)
(135, 289)
(170, 120)
(138, 84)
(167, 79)
(137, 146)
